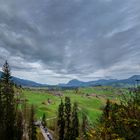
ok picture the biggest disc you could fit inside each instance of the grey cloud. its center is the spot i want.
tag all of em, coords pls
(73, 38)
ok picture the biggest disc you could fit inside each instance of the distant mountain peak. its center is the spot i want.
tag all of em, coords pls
(135, 77)
(74, 80)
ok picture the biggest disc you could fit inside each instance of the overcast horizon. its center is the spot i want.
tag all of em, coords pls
(54, 41)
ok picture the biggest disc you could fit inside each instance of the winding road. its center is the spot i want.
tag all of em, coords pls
(46, 135)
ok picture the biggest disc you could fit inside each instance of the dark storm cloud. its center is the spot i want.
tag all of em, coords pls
(65, 39)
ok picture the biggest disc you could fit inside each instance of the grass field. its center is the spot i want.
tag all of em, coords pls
(90, 105)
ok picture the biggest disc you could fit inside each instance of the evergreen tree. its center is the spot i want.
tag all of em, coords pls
(85, 125)
(32, 127)
(26, 112)
(44, 123)
(1, 115)
(6, 74)
(106, 121)
(75, 123)
(61, 121)
(19, 125)
(7, 96)
(67, 119)
(68, 122)
(107, 109)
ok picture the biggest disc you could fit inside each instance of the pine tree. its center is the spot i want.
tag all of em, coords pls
(32, 127)
(6, 74)
(44, 123)
(106, 121)
(85, 125)
(1, 115)
(67, 119)
(61, 121)
(7, 93)
(107, 109)
(19, 126)
(26, 112)
(75, 123)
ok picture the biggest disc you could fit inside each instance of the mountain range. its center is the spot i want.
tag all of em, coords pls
(76, 83)
(26, 83)
(104, 82)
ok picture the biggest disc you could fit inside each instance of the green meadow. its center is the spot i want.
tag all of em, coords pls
(90, 100)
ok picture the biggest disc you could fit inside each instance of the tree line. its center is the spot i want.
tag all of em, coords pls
(68, 121)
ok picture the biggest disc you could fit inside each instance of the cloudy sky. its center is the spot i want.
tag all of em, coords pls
(53, 41)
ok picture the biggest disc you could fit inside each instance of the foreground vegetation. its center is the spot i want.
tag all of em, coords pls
(119, 121)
